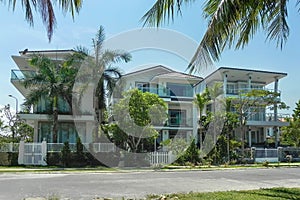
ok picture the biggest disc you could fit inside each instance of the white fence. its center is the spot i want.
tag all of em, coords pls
(9, 147)
(262, 155)
(161, 157)
(95, 147)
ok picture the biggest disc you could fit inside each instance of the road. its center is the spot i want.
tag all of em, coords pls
(16, 186)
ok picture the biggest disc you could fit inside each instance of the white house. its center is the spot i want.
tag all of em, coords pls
(177, 90)
(38, 118)
(261, 123)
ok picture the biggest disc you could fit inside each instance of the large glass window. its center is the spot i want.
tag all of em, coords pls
(66, 132)
(180, 90)
(44, 106)
(177, 117)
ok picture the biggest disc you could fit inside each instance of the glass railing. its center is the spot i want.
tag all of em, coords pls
(261, 116)
(21, 74)
(231, 91)
(162, 92)
(180, 122)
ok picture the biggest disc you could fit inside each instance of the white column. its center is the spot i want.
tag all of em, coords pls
(249, 81)
(44, 153)
(195, 123)
(36, 131)
(249, 138)
(275, 113)
(225, 84)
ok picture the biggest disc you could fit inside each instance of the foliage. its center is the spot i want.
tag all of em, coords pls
(46, 11)
(135, 115)
(53, 81)
(12, 128)
(240, 22)
(66, 154)
(201, 100)
(100, 71)
(291, 133)
(79, 147)
(262, 194)
(250, 102)
(192, 154)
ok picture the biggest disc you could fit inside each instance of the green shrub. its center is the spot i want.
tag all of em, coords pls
(66, 154)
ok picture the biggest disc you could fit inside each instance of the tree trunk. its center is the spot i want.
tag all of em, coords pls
(55, 119)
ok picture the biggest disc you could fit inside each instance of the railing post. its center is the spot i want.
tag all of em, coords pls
(11, 146)
(44, 153)
(21, 153)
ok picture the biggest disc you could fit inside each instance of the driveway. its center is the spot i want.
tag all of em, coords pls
(16, 186)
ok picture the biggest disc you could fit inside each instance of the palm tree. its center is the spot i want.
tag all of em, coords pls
(101, 69)
(200, 101)
(232, 23)
(52, 81)
(46, 10)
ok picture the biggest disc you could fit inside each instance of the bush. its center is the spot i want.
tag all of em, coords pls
(66, 154)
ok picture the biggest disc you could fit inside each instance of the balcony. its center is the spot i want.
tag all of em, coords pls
(231, 91)
(19, 75)
(161, 92)
(267, 119)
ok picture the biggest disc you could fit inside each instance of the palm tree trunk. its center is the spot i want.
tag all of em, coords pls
(55, 119)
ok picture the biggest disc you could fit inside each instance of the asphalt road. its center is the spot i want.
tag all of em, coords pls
(17, 186)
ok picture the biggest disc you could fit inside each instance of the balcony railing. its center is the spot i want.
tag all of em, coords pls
(261, 116)
(18, 75)
(231, 91)
(162, 92)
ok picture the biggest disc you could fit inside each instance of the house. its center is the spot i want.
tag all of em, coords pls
(177, 90)
(261, 123)
(38, 117)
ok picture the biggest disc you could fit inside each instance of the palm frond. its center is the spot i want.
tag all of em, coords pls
(163, 11)
(278, 29)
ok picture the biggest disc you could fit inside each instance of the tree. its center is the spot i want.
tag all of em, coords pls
(231, 24)
(201, 100)
(52, 82)
(101, 72)
(291, 133)
(46, 10)
(249, 102)
(231, 122)
(135, 116)
(12, 128)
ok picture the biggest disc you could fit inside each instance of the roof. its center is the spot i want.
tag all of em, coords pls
(238, 74)
(25, 51)
(168, 73)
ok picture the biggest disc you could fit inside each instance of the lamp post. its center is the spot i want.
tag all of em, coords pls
(16, 102)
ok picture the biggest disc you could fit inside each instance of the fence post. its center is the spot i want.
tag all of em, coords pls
(279, 154)
(10, 147)
(21, 153)
(44, 153)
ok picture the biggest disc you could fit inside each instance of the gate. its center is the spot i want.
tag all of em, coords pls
(32, 153)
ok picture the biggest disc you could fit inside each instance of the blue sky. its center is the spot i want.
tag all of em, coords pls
(120, 16)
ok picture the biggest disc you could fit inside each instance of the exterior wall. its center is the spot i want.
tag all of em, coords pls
(39, 118)
(185, 125)
(236, 81)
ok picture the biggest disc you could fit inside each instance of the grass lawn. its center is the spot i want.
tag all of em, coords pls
(261, 194)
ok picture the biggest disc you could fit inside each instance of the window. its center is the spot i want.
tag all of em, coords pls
(231, 89)
(142, 86)
(66, 132)
(180, 90)
(177, 117)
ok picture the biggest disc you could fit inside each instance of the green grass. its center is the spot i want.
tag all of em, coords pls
(261, 194)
